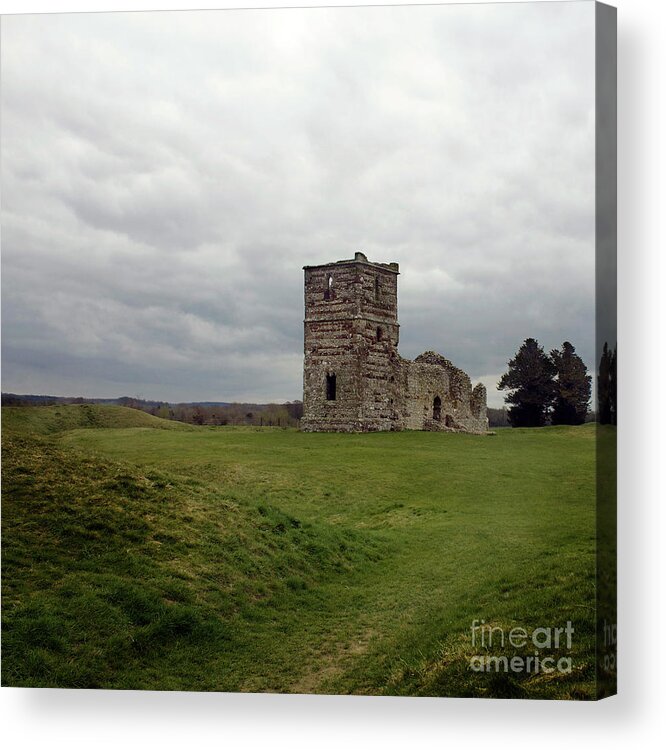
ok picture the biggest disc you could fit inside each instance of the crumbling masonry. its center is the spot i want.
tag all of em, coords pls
(354, 380)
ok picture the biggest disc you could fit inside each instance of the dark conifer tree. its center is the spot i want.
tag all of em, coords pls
(607, 386)
(573, 386)
(530, 380)
(604, 385)
(613, 386)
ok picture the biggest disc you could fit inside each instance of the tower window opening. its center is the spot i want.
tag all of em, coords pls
(328, 291)
(437, 408)
(379, 333)
(331, 387)
(376, 287)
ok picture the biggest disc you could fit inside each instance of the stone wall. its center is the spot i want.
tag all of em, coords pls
(354, 380)
(439, 396)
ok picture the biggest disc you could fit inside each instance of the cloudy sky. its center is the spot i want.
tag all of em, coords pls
(165, 176)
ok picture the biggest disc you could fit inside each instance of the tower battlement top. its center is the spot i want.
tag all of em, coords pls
(361, 258)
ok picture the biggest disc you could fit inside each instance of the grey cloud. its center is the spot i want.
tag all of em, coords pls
(165, 177)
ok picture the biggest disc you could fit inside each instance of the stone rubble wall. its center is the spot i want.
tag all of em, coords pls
(429, 376)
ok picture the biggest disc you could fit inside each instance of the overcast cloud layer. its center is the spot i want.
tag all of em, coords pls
(166, 176)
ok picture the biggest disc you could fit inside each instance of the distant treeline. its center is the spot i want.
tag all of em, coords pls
(201, 413)
(498, 417)
(260, 415)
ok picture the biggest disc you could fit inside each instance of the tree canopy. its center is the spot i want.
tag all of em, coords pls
(544, 388)
(572, 388)
(530, 382)
(607, 386)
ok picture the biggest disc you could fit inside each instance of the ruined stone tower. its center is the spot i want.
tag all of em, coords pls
(351, 340)
(354, 380)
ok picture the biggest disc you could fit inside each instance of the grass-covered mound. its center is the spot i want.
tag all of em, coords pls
(114, 577)
(232, 559)
(47, 420)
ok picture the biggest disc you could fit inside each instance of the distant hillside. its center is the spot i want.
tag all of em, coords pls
(195, 412)
(30, 399)
(45, 420)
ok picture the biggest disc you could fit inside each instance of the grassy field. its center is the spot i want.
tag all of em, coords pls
(139, 553)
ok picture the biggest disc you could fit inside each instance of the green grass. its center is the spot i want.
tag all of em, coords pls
(272, 560)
